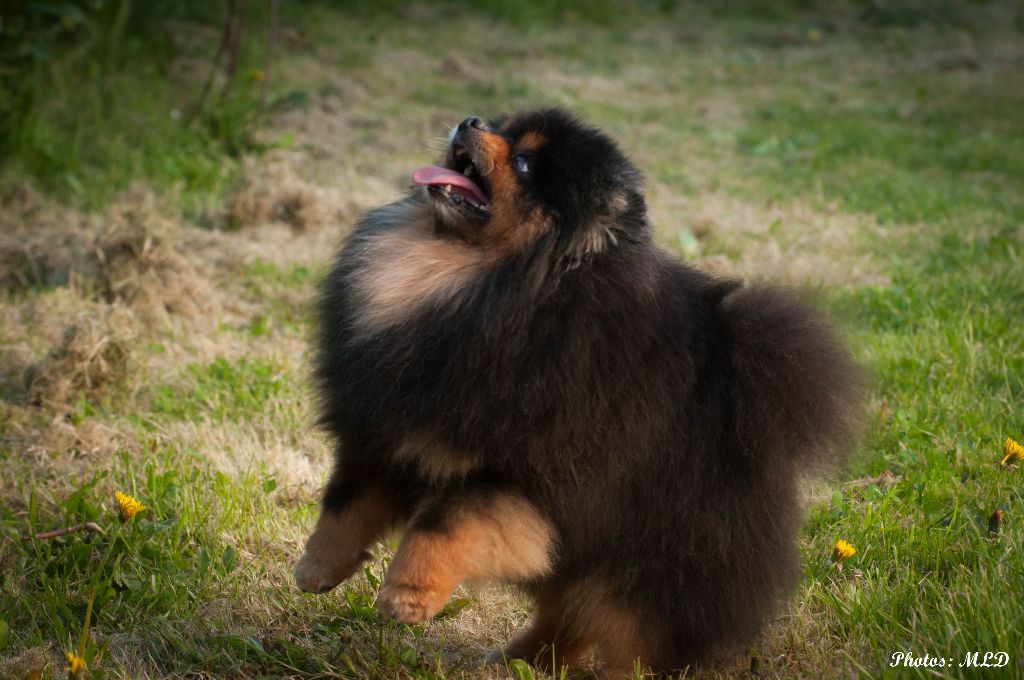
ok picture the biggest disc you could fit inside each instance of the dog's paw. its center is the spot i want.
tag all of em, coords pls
(314, 574)
(497, 657)
(314, 577)
(407, 604)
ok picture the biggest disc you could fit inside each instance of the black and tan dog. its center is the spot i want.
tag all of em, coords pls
(520, 381)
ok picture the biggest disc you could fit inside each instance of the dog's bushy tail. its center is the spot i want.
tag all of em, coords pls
(799, 394)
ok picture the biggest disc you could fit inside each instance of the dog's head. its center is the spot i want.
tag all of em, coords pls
(503, 184)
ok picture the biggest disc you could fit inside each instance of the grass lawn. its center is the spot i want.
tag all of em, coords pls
(156, 276)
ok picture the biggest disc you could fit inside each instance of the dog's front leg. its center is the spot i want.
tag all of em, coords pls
(357, 510)
(484, 535)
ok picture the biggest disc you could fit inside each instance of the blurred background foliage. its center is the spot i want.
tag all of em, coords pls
(105, 92)
(97, 94)
(872, 148)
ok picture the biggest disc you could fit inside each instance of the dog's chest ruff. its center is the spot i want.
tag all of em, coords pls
(400, 270)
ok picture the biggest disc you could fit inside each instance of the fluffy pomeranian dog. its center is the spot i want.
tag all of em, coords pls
(525, 386)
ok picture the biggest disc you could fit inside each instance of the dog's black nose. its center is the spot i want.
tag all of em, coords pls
(472, 122)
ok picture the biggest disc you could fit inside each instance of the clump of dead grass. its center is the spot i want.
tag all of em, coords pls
(139, 255)
(273, 192)
(85, 439)
(94, 357)
(31, 663)
(37, 239)
(54, 444)
(134, 254)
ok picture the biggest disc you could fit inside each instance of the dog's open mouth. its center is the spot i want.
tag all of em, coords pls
(462, 185)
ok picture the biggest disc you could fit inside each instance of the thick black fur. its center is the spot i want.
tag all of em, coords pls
(659, 417)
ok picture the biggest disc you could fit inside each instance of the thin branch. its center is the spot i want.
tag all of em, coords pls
(225, 38)
(271, 45)
(234, 48)
(87, 526)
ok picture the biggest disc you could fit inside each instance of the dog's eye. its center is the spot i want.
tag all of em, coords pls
(522, 163)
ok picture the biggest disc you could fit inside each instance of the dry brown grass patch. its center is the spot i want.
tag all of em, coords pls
(35, 662)
(143, 259)
(38, 239)
(786, 243)
(299, 460)
(133, 254)
(273, 192)
(94, 357)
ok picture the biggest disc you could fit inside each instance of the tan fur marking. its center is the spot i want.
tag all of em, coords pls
(619, 202)
(497, 169)
(601, 235)
(549, 642)
(598, 238)
(435, 462)
(505, 540)
(531, 141)
(621, 638)
(509, 230)
(338, 544)
(571, 622)
(407, 268)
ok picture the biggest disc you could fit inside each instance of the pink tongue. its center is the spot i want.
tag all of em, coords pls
(433, 175)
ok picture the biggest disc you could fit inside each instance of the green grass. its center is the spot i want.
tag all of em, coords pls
(222, 390)
(175, 577)
(108, 94)
(920, 164)
(941, 170)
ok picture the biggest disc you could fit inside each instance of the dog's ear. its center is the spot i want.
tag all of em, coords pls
(622, 216)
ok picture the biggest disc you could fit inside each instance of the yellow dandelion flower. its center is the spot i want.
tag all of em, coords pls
(128, 507)
(843, 550)
(76, 664)
(1013, 452)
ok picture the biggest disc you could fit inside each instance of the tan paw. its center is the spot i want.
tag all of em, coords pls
(407, 604)
(315, 574)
